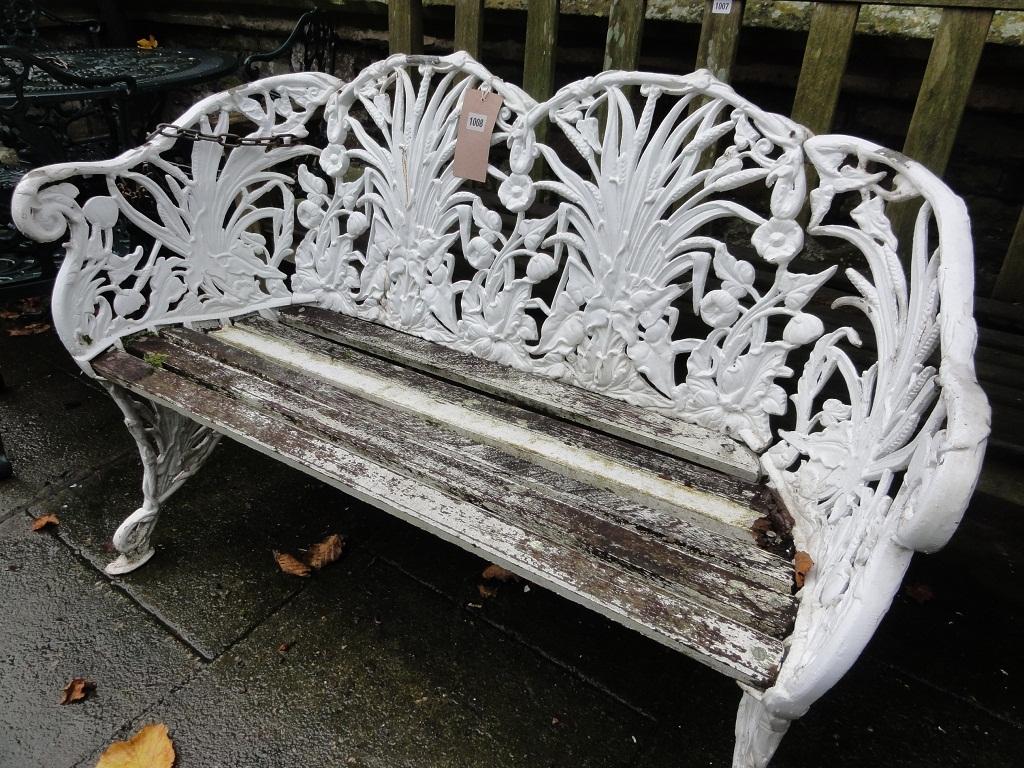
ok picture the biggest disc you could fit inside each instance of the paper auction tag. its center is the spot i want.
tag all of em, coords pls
(473, 136)
(721, 6)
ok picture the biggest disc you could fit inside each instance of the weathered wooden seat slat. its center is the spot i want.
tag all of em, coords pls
(639, 425)
(711, 499)
(696, 596)
(615, 373)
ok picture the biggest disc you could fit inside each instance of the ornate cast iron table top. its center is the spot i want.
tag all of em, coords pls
(153, 70)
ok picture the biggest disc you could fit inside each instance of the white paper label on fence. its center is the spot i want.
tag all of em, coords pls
(721, 6)
(473, 137)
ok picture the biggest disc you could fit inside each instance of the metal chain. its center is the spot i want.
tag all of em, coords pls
(224, 139)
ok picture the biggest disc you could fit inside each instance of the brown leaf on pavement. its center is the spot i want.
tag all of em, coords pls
(30, 329)
(802, 564)
(45, 520)
(325, 552)
(918, 592)
(149, 748)
(497, 573)
(77, 690)
(290, 564)
(485, 591)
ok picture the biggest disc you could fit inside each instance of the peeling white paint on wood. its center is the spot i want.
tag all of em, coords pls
(573, 460)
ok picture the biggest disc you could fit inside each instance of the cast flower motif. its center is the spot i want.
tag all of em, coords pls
(516, 192)
(479, 253)
(309, 214)
(101, 211)
(802, 328)
(541, 267)
(719, 309)
(778, 240)
(356, 224)
(334, 160)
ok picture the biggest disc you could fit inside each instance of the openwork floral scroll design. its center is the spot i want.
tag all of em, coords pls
(209, 236)
(631, 246)
(878, 463)
(394, 236)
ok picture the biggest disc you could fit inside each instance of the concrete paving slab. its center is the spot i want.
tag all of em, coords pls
(958, 623)
(56, 427)
(384, 672)
(60, 621)
(629, 666)
(25, 358)
(212, 578)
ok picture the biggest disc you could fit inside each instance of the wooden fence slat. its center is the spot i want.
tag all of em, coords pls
(1010, 283)
(719, 36)
(625, 29)
(1007, 5)
(541, 40)
(405, 26)
(469, 26)
(828, 48)
(539, 61)
(947, 81)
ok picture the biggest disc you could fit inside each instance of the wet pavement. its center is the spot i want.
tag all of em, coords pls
(392, 657)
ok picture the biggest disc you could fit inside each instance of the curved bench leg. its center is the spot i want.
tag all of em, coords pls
(172, 447)
(758, 733)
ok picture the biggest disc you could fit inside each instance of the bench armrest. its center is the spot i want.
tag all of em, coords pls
(181, 236)
(890, 468)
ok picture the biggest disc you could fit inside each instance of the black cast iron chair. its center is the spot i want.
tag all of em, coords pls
(316, 39)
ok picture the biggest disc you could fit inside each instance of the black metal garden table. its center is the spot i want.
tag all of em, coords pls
(118, 74)
(43, 92)
(153, 70)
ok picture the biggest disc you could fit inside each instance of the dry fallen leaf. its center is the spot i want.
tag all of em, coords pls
(918, 592)
(147, 43)
(77, 690)
(30, 329)
(497, 573)
(45, 520)
(149, 748)
(325, 552)
(290, 564)
(802, 564)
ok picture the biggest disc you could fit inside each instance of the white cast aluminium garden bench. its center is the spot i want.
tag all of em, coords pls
(610, 376)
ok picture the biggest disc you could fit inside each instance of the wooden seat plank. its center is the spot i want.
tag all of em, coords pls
(639, 425)
(455, 462)
(630, 596)
(694, 537)
(726, 503)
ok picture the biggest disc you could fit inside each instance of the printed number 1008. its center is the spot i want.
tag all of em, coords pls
(476, 122)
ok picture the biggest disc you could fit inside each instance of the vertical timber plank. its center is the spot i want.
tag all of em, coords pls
(625, 29)
(821, 74)
(469, 26)
(405, 26)
(539, 60)
(719, 36)
(541, 40)
(947, 81)
(940, 105)
(1010, 283)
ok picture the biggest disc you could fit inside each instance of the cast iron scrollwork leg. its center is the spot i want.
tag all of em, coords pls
(172, 447)
(758, 732)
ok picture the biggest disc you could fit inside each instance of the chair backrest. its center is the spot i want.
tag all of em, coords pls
(19, 21)
(317, 40)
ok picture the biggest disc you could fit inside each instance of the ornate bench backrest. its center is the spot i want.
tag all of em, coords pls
(621, 270)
